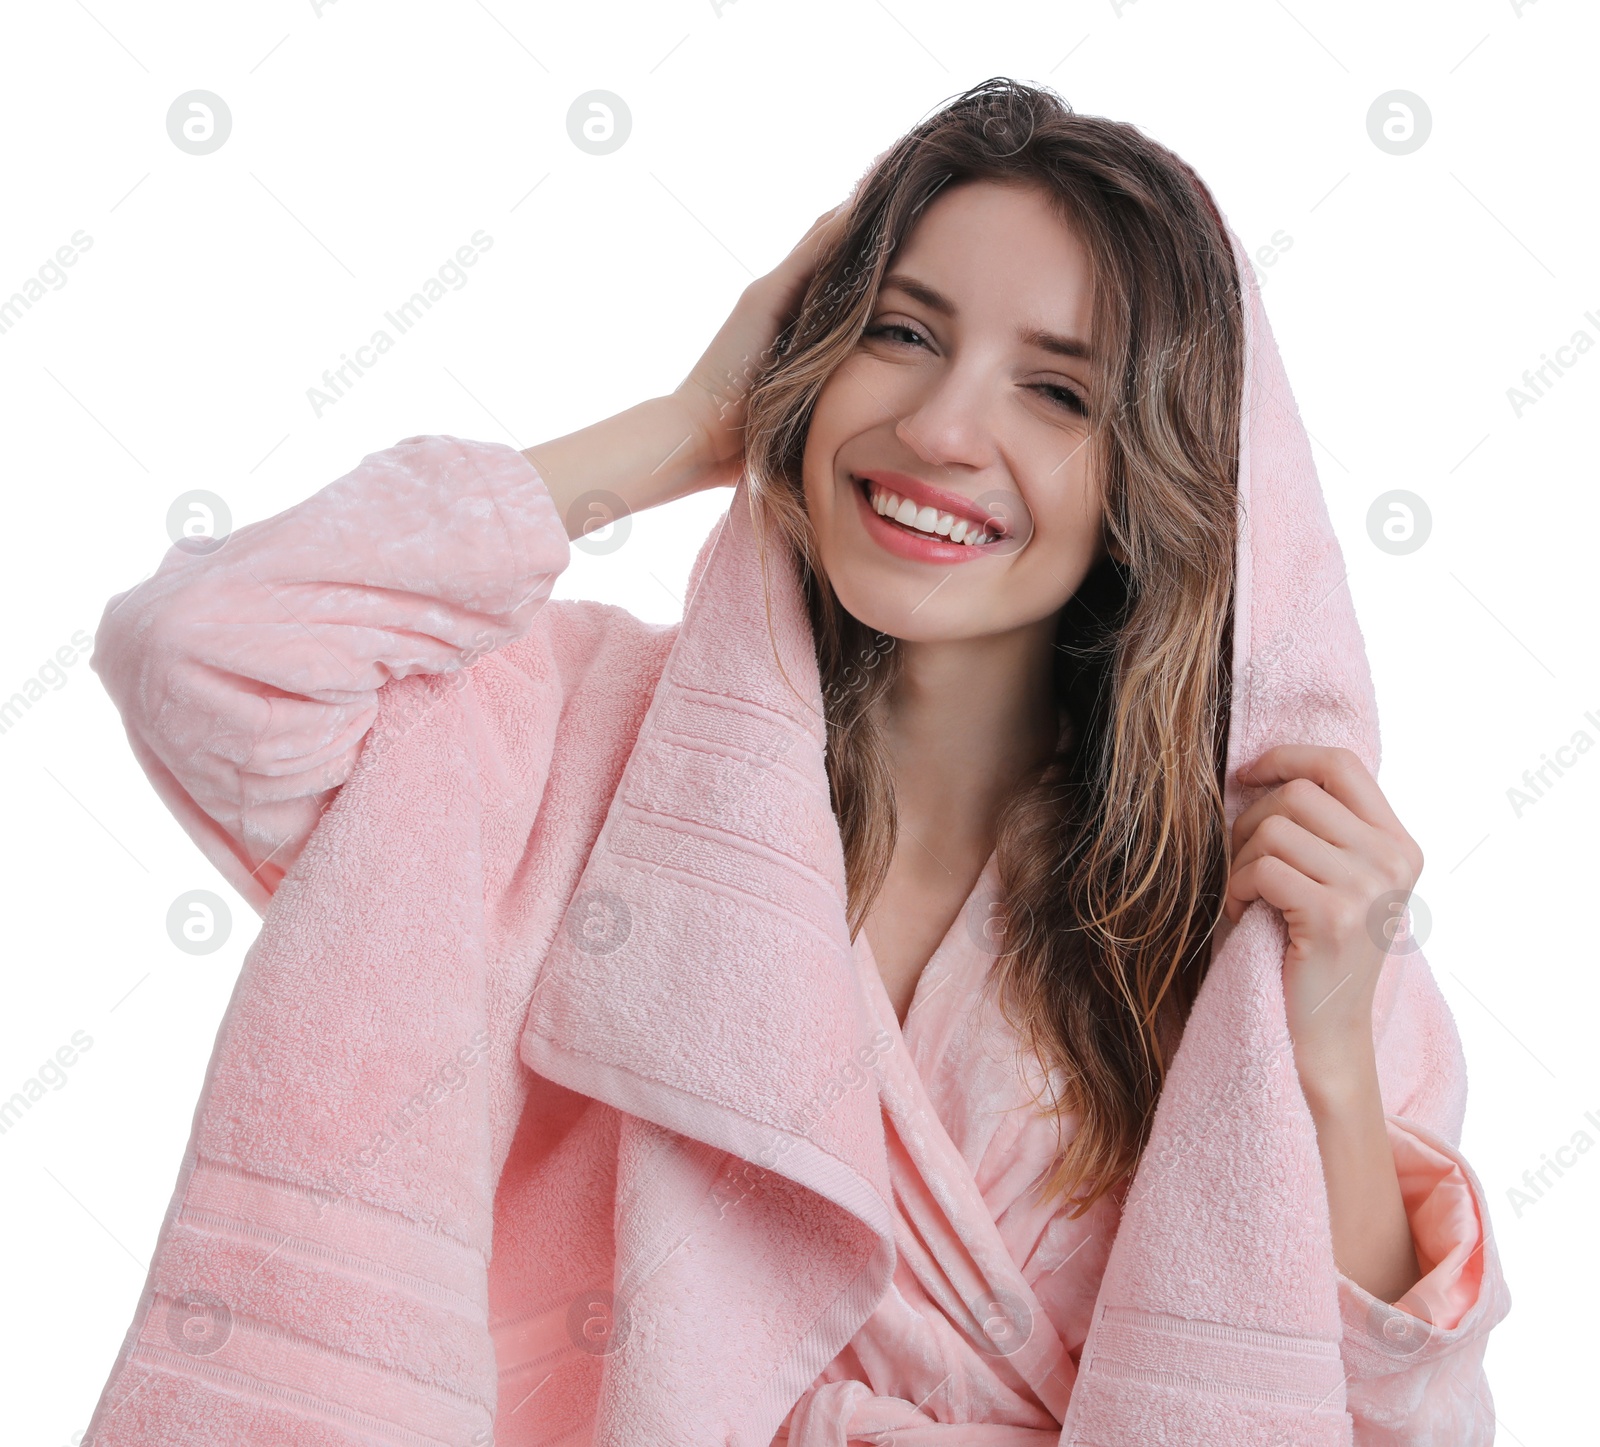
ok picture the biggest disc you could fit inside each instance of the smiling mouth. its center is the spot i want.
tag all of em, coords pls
(924, 522)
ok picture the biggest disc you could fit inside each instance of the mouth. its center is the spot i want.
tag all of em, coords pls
(925, 519)
(922, 533)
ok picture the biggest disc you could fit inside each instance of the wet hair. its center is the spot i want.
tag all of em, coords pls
(1113, 855)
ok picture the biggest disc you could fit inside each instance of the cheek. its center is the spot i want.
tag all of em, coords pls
(852, 401)
(1056, 477)
(833, 422)
(816, 472)
(1067, 543)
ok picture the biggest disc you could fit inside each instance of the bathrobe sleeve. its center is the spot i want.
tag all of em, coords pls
(247, 676)
(1415, 1368)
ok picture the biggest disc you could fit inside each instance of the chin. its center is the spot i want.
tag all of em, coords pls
(887, 604)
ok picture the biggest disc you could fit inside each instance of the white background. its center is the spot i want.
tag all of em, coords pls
(369, 142)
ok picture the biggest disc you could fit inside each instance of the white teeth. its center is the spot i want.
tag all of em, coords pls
(926, 519)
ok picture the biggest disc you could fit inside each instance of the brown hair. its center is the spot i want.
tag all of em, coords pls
(1113, 855)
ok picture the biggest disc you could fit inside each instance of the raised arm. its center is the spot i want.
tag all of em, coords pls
(247, 677)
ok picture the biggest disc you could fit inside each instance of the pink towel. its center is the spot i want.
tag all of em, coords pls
(564, 970)
(1218, 1319)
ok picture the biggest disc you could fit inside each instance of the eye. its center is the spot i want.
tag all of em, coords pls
(882, 329)
(1066, 396)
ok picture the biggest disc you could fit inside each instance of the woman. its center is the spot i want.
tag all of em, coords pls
(970, 686)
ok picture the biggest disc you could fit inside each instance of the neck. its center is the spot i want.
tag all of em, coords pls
(964, 721)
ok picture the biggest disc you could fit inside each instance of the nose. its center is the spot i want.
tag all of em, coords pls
(949, 425)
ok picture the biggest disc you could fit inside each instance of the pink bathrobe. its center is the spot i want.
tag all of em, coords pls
(555, 1105)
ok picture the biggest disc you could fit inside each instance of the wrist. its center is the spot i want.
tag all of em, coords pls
(1339, 1077)
(653, 453)
(703, 411)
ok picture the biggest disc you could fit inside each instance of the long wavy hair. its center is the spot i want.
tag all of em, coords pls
(1113, 855)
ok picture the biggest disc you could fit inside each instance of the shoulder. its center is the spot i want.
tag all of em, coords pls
(592, 648)
(584, 668)
(552, 720)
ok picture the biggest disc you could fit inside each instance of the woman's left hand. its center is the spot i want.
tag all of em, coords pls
(1324, 847)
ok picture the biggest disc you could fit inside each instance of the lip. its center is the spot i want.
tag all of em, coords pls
(896, 539)
(925, 494)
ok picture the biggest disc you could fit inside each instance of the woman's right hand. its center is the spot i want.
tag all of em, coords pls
(714, 392)
(692, 438)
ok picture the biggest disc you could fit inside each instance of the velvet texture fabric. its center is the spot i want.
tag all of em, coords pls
(550, 1106)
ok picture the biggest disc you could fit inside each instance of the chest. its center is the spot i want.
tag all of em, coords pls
(912, 914)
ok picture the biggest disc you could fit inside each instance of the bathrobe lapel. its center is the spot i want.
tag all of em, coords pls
(988, 1297)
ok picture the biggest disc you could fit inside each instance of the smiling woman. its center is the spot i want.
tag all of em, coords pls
(930, 995)
(1047, 336)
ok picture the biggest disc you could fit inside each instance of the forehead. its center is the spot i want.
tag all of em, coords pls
(995, 247)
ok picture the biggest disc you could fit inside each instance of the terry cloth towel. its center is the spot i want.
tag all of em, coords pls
(985, 1265)
(563, 970)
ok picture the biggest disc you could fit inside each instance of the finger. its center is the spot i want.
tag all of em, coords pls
(1269, 878)
(824, 222)
(1279, 837)
(798, 265)
(1339, 771)
(1308, 804)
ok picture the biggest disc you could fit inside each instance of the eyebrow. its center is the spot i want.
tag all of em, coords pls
(939, 302)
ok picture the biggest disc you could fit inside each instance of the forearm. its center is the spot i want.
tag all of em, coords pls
(1372, 1242)
(651, 454)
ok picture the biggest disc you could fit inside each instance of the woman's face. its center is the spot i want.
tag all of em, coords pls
(966, 396)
